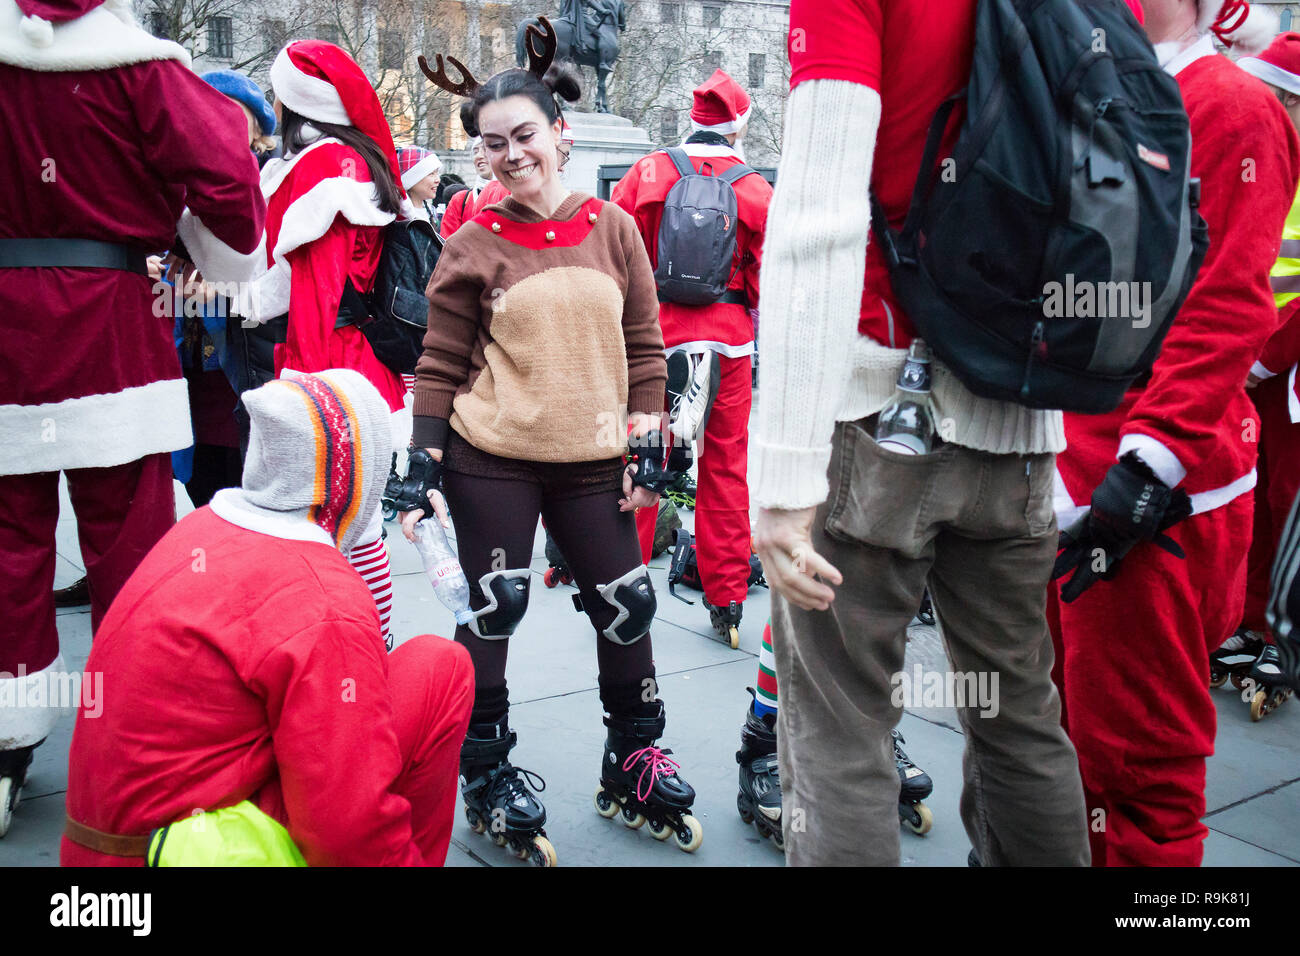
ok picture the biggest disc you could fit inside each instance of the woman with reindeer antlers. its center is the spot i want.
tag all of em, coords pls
(543, 336)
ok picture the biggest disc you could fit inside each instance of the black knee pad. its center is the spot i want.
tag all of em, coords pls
(507, 595)
(633, 598)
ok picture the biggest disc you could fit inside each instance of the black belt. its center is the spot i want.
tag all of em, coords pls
(71, 254)
(730, 297)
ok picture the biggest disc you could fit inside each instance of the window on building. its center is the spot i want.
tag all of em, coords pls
(712, 62)
(668, 126)
(221, 43)
(1285, 20)
(273, 35)
(158, 24)
(390, 49)
(670, 13)
(712, 16)
(486, 58)
(757, 70)
(328, 32)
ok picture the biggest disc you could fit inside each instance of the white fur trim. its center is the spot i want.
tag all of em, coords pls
(1253, 36)
(1157, 456)
(426, 167)
(217, 261)
(230, 505)
(37, 31)
(265, 297)
(1260, 372)
(95, 431)
(32, 703)
(1270, 73)
(104, 39)
(311, 214)
(307, 96)
(708, 150)
(731, 126)
(1067, 512)
(275, 171)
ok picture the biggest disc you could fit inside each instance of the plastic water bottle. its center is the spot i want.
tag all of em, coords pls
(442, 568)
(906, 424)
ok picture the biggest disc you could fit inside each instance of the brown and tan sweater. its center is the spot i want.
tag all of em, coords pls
(543, 334)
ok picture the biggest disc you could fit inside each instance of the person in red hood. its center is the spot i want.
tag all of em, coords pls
(242, 661)
(104, 156)
(1133, 649)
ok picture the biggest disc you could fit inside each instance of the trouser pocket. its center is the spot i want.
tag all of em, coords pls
(879, 497)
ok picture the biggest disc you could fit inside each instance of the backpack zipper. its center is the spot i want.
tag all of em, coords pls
(1037, 343)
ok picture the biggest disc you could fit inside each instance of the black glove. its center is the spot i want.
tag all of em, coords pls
(652, 471)
(423, 474)
(1130, 505)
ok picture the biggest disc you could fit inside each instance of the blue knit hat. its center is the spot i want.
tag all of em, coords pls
(244, 90)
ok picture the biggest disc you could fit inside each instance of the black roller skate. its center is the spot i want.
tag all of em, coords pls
(1265, 689)
(682, 492)
(1235, 658)
(558, 572)
(759, 799)
(726, 621)
(639, 781)
(925, 615)
(497, 799)
(13, 774)
(915, 786)
(392, 488)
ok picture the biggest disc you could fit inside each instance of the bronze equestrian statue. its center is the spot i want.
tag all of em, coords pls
(587, 35)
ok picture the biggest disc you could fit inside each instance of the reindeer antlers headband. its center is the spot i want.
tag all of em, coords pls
(539, 40)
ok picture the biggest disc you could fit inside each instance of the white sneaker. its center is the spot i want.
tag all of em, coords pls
(693, 387)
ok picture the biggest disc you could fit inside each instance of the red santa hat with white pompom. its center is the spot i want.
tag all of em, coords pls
(721, 105)
(319, 81)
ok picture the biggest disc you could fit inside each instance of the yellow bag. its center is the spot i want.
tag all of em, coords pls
(241, 835)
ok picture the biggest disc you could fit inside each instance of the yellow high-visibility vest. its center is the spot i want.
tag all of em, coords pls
(1285, 274)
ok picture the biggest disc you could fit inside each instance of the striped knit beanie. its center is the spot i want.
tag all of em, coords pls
(320, 447)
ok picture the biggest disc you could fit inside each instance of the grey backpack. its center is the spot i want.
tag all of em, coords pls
(697, 234)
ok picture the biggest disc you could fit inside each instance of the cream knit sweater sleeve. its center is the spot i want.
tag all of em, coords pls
(810, 294)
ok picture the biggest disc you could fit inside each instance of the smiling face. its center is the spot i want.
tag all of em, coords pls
(521, 146)
(481, 164)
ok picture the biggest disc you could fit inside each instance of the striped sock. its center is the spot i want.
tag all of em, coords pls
(371, 562)
(408, 382)
(766, 701)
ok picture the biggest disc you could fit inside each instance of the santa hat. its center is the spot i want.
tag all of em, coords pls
(566, 132)
(1237, 24)
(319, 81)
(319, 450)
(417, 164)
(1279, 65)
(39, 16)
(721, 105)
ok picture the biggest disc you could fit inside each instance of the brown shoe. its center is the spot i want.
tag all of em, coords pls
(76, 594)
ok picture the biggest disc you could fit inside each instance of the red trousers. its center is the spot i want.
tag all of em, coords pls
(431, 680)
(1279, 483)
(722, 532)
(1132, 666)
(122, 512)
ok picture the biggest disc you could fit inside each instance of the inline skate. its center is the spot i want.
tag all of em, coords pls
(13, 774)
(759, 799)
(914, 786)
(1265, 689)
(1235, 658)
(925, 615)
(726, 621)
(497, 799)
(639, 781)
(682, 492)
(558, 572)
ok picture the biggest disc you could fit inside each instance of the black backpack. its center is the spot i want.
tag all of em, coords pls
(394, 315)
(697, 234)
(1046, 262)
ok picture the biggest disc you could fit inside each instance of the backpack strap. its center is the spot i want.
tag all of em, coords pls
(736, 173)
(682, 160)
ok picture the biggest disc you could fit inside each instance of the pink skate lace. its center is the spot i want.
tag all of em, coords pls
(657, 764)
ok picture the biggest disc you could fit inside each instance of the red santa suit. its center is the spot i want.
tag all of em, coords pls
(1133, 653)
(722, 499)
(242, 661)
(113, 136)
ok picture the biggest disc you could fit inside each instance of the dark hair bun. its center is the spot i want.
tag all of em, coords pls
(467, 118)
(562, 80)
